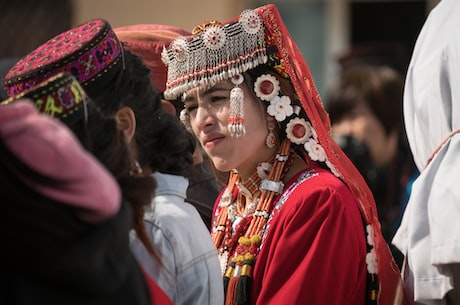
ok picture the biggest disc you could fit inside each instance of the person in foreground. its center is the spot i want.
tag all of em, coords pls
(296, 222)
(61, 97)
(429, 235)
(67, 224)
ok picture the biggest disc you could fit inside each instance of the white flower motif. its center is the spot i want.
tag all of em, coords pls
(237, 79)
(371, 262)
(314, 134)
(315, 150)
(298, 130)
(263, 169)
(214, 37)
(370, 235)
(226, 198)
(280, 108)
(333, 169)
(179, 48)
(165, 56)
(267, 87)
(251, 21)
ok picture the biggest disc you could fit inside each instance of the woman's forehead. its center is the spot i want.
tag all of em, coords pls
(194, 93)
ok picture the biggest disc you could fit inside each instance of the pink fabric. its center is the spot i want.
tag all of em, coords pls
(147, 41)
(50, 149)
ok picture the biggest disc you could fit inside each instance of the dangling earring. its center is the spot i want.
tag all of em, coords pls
(136, 170)
(184, 117)
(271, 138)
(235, 120)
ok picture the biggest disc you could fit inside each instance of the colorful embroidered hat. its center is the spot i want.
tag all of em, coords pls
(91, 52)
(147, 41)
(52, 151)
(60, 96)
(257, 38)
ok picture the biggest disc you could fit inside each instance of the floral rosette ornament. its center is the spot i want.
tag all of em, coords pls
(298, 130)
(214, 37)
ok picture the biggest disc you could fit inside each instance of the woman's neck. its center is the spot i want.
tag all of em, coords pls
(248, 168)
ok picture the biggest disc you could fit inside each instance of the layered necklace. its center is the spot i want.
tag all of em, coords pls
(238, 239)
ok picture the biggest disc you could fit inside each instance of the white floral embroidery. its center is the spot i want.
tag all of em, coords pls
(263, 169)
(371, 262)
(315, 150)
(280, 108)
(370, 235)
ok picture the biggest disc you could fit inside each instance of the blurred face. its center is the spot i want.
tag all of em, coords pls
(209, 111)
(363, 125)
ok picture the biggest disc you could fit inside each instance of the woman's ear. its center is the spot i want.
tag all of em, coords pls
(126, 122)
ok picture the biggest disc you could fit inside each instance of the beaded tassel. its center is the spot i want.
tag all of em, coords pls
(236, 117)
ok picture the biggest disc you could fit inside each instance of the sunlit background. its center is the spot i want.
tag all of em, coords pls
(330, 33)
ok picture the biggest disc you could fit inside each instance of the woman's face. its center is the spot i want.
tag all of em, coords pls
(209, 111)
(363, 125)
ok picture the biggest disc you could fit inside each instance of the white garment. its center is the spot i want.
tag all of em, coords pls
(190, 273)
(429, 234)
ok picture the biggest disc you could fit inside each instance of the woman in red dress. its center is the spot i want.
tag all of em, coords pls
(296, 223)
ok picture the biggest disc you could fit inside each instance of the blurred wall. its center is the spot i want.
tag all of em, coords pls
(183, 13)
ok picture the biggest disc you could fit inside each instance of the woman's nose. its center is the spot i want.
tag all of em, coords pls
(203, 117)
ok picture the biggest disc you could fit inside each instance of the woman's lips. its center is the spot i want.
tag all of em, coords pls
(211, 142)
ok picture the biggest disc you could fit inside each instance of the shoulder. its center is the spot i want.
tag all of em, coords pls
(317, 183)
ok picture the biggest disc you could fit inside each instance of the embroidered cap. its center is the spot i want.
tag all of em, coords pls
(91, 52)
(147, 41)
(60, 96)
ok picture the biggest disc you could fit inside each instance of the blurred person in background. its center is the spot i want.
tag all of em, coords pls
(365, 108)
(147, 41)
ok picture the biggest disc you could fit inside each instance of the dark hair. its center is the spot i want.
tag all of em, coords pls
(132, 88)
(163, 142)
(286, 88)
(101, 136)
(21, 204)
(378, 87)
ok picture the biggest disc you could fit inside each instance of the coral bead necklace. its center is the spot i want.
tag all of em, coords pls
(240, 223)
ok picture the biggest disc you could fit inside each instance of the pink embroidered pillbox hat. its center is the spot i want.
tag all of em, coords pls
(90, 52)
(48, 148)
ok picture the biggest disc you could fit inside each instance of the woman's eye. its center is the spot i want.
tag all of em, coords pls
(218, 98)
(191, 107)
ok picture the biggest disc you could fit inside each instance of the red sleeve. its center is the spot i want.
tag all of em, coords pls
(157, 295)
(315, 249)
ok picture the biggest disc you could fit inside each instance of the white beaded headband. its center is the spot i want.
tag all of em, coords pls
(217, 53)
